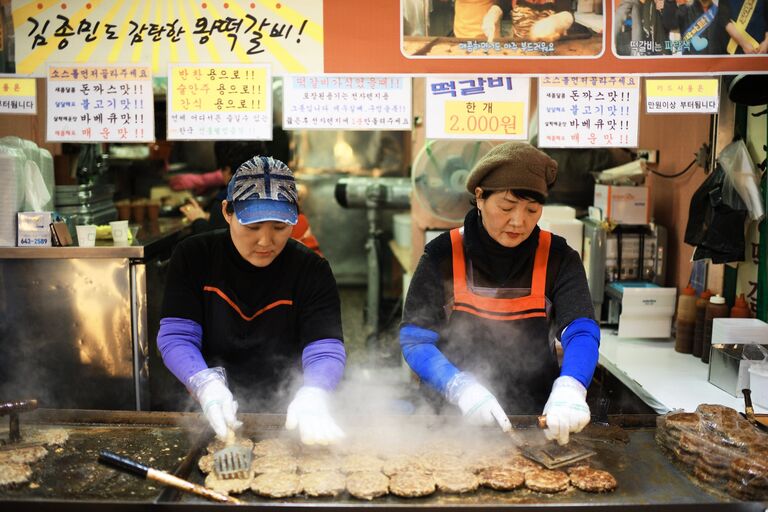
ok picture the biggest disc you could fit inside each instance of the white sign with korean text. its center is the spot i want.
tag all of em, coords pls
(18, 96)
(588, 111)
(100, 104)
(478, 107)
(331, 102)
(219, 102)
(682, 96)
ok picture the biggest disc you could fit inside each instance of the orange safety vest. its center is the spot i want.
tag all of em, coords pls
(503, 340)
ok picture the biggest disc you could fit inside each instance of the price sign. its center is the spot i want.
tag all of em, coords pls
(478, 107)
(484, 119)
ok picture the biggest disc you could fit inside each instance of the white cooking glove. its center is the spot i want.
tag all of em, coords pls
(309, 412)
(209, 387)
(477, 404)
(490, 20)
(566, 409)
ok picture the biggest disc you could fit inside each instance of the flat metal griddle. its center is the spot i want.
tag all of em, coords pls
(72, 480)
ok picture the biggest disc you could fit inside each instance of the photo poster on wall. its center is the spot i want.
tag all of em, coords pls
(103, 103)
(219, 102)
(501, 29)
(588, 111)
(330, 102)
(18, 96)
(493, 107)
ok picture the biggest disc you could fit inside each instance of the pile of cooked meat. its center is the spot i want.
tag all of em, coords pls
(719, 448)
(15, 463)
(282, 468)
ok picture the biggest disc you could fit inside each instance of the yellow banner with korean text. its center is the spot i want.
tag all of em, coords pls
(287, 34)
(17, 87)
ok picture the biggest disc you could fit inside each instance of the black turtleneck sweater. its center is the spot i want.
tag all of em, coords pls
(211, 284)
(496, 266)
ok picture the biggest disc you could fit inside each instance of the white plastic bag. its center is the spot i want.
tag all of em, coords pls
(741, 178)
(36, 193)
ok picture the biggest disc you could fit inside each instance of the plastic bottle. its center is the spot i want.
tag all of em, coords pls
(740, 308)
(698, 331)
(717, 308)
(686, 320)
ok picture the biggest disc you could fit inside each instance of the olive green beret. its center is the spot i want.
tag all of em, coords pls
(514, 165)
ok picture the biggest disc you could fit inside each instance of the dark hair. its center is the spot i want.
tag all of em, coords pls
(232, 153)
(529, 195)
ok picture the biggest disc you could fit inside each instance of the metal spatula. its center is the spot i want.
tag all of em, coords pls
(553, 456)
(232, 461)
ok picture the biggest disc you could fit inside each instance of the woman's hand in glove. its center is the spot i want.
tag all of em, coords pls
(490, 22)
(566, 409)
(477, 404)
(209, 387)
(309, 412)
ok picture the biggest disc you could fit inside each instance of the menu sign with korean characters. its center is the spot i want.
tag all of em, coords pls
(219, 101)
(100, 104)
(347, 102)
(18, 96)
(682, 96)
(478, 107)
(588, 111)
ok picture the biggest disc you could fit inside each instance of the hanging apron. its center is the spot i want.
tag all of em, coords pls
(468, 19)
(501, 335)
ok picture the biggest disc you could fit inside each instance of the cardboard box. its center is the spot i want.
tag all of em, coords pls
(623, 205)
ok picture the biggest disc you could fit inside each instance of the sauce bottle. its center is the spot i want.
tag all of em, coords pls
(698, 331)
(686, 320)
(740, 308)
(717, 308)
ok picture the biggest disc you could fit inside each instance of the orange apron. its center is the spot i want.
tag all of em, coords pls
(502, 335)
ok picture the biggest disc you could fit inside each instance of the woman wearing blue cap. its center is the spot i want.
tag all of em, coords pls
(255, 302)
(488, 300)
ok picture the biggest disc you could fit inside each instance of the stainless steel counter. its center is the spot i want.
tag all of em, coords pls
(77, 323)
(147, 243)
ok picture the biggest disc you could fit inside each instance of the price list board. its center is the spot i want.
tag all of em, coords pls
(219, 102)
(100, 104)
(588, 111)
(682, 96)
(478, 107)
(18, 96)
(347, 102)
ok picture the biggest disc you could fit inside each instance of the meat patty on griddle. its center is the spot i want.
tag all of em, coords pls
(366, 485)
(546, 480)
(229, 485)
(217, 445)
(26, 455)
(205, 463)
(274, 447)
(322, 483)
(14, 473)
(361, 462)
(591, 479)
(276, 485)
(411, 484)
(275, 464)
(320, 462)
(501, 479)
(456, 481)
(402, 464)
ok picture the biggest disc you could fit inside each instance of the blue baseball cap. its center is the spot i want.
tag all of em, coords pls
(264, 189)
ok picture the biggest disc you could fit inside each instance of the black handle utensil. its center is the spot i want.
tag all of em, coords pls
(138, 469)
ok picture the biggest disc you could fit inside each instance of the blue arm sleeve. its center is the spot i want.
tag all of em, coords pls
(179, 341)
(422, 355)
(323, 362)
(580, 339)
